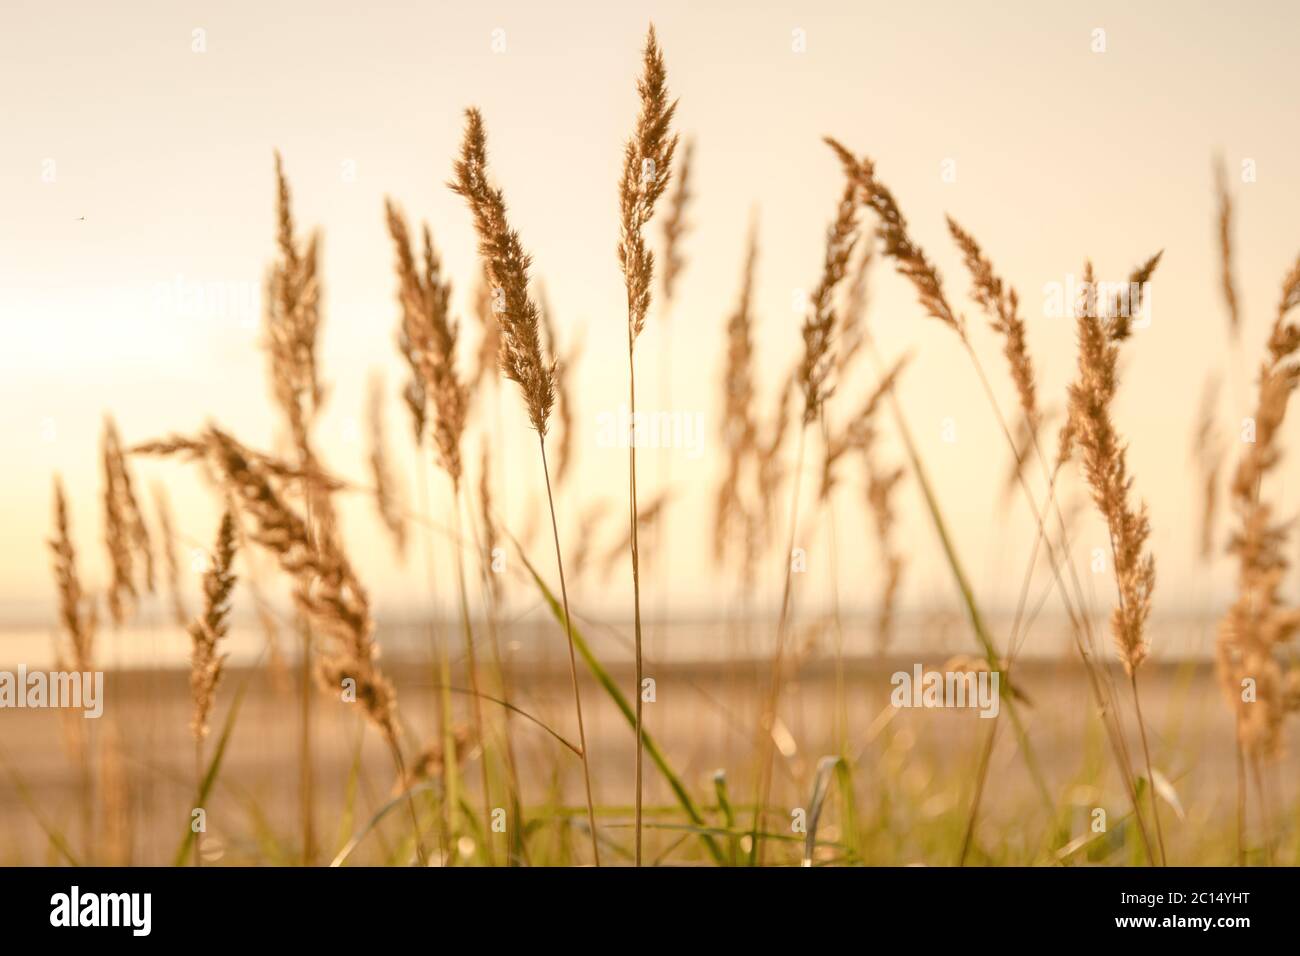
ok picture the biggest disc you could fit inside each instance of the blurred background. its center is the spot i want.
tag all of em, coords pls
(137, 222)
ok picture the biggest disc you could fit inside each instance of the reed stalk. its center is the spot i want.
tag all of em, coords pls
(520, 356)
(647, 168)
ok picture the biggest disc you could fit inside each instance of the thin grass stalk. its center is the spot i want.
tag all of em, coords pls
(400, 765)
(647, 167)
(503, 681)
(198, 782)
(959, 575)
(636, 586)
(1151, 780)
(1241, 794)
(306, 774)
(1080, 625)
(841, 719)
(471, 663)
(443, 710)
(986, 756)
(520, 356)
(77, 615)
(1261, 797)
(767, 744)
(573, 661)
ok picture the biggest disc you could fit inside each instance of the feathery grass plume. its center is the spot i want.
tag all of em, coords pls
(564, 401)
(770, 470)
(427, 318)
(206, 631)
(125, 535)
(819, 323)
(76, 611)
(291, 333)
(171, 560)
(518, 322)
(427, 325)
(77, 615)
(210, 627)
(739, 430)
(1227, 283)
(121, 589)
(327, 590)
(911, 262)
(909, 259)
(434, 333)
(490, 537)
(1126, 302)
(520, 357)
(449, 394)
(647, 168)
(293, 318)
(1105, 467)
(387, 499)
(413, 334)
(1066, 437)
(1001, 304)
(1118, 312)
(283, 472)
(1207, 454)
(1257, 625)
(676, 224)
(852, 334)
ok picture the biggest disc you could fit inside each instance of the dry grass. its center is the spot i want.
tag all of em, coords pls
(284, 508)
(208, 629)
(647, 170)
(125, 534)
(1259, 624)
(520, 357)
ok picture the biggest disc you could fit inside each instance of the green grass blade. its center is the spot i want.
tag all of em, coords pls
(826, 767)
(398, 801)
(214, 767)
(728, 814)
(972, 606)
(607, 682)
(52, 833)
(348, 819)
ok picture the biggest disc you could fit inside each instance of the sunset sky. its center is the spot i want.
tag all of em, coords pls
(135, 166)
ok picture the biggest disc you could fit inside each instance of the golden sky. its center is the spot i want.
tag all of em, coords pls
(135, 168)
